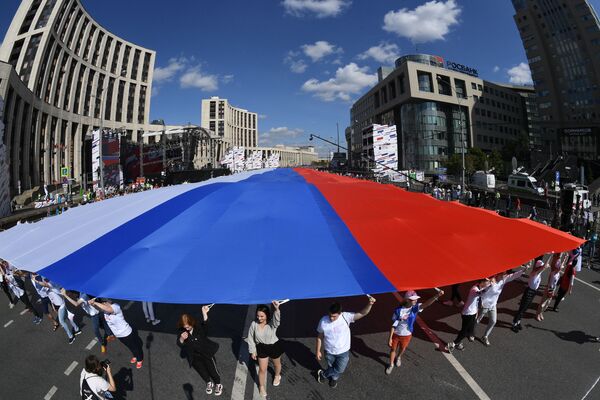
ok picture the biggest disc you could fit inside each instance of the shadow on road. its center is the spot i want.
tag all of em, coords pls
(578, 337)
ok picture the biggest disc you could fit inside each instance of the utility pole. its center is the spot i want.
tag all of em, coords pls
(337, 125)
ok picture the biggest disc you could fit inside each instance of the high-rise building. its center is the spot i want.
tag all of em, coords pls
(62, 75)
(562, 43)
(236, 126)
(436, 105)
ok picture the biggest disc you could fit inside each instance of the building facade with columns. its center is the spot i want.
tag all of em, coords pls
(63, 75)
(236, 126)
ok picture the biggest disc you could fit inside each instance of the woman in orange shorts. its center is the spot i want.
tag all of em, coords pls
(403, 322)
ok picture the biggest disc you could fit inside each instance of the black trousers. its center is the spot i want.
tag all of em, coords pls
(7, 292)
(134, 344)
(207, 368)
(560, 295)
(455, 294)
(526, 301)
(25, 300)
(467, 328)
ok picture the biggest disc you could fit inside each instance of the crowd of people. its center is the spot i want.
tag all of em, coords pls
(333, 331)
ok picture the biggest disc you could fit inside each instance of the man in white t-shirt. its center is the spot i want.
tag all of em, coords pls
(91, 383)
(334, 334)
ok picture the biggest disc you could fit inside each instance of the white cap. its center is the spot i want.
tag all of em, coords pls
(411, 295)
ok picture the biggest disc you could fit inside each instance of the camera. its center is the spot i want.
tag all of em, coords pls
(105, 363)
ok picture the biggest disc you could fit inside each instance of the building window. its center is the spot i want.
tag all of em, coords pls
(461, 88)
(444, 86)
(473, 86)
(425, 82)
(401, 83)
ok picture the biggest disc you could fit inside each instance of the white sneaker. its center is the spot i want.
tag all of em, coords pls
(389, 369)
(398, 361)
(485, 340)
(147, 320)
(450, 346)
(156, 322)
(11, 305)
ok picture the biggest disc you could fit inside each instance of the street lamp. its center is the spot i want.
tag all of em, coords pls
(462, 138)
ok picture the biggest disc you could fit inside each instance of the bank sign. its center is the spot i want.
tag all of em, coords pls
(461, 68)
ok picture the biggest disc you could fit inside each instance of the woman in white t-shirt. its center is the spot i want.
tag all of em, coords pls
(121, 329)
(91, 382)
(63, 314)
(95, 316)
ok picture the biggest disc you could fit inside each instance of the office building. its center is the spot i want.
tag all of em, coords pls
(61, 76)
(237, 127)
(440, 108)
(562, 43)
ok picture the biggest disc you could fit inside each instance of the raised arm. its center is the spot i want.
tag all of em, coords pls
(432, 300)
(69, 299)
(101, 306)
(365, 310)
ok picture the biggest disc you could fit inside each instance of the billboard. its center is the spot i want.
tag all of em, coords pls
(385, 150)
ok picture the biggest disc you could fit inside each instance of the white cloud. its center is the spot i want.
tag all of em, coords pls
(297, 65)
(195, 78)
(321, 8)
(319, 50)
(348, 80)
(428, 22)
(385, 53)
(281, 135)
(496, 68)
(520, 74)
(175, 65)
(262, 116)
(227, 79)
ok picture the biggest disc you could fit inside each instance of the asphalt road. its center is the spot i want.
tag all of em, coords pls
(552, 359)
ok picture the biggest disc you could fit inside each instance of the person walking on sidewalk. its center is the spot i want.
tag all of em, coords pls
(489, 300)
(403, 321)
(535, 278)
(264, 344)
(334, 335)
(121, 329)
(469, 315)
(95, 316)
(148, 308)
(200, 350)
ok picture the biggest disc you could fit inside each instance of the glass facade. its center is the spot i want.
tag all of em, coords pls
(431, 132)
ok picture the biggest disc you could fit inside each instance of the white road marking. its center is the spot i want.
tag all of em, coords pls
(588, 284)
(238, 390)
(588, 392)
(24, 311)
(71, 368)
(8, 323)
(128, 305)
(451, 359)
(50, 393)
(91, 344)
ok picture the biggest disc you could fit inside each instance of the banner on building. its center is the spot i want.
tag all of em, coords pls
(273, 161)
(111, 156)
(385, 151)
(234, 159)
(255, 160)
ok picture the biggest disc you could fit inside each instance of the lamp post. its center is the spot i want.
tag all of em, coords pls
(460, 122)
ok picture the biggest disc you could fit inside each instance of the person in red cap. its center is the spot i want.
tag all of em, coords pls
(403, 322)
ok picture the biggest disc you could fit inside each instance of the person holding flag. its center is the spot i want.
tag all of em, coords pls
(403, 321)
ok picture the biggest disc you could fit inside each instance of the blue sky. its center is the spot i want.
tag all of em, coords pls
(300, 64)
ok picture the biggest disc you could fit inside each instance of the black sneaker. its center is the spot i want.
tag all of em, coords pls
(332, 383)
(320, 377)
(515, 328)
(71, 339)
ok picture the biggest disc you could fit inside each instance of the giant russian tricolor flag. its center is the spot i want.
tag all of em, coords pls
(272, 234)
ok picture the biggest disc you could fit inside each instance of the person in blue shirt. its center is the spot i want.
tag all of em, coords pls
(403, 321)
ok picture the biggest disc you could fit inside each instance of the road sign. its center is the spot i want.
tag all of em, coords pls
(64, 171)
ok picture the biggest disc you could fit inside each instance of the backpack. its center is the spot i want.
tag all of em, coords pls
(87, 393)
